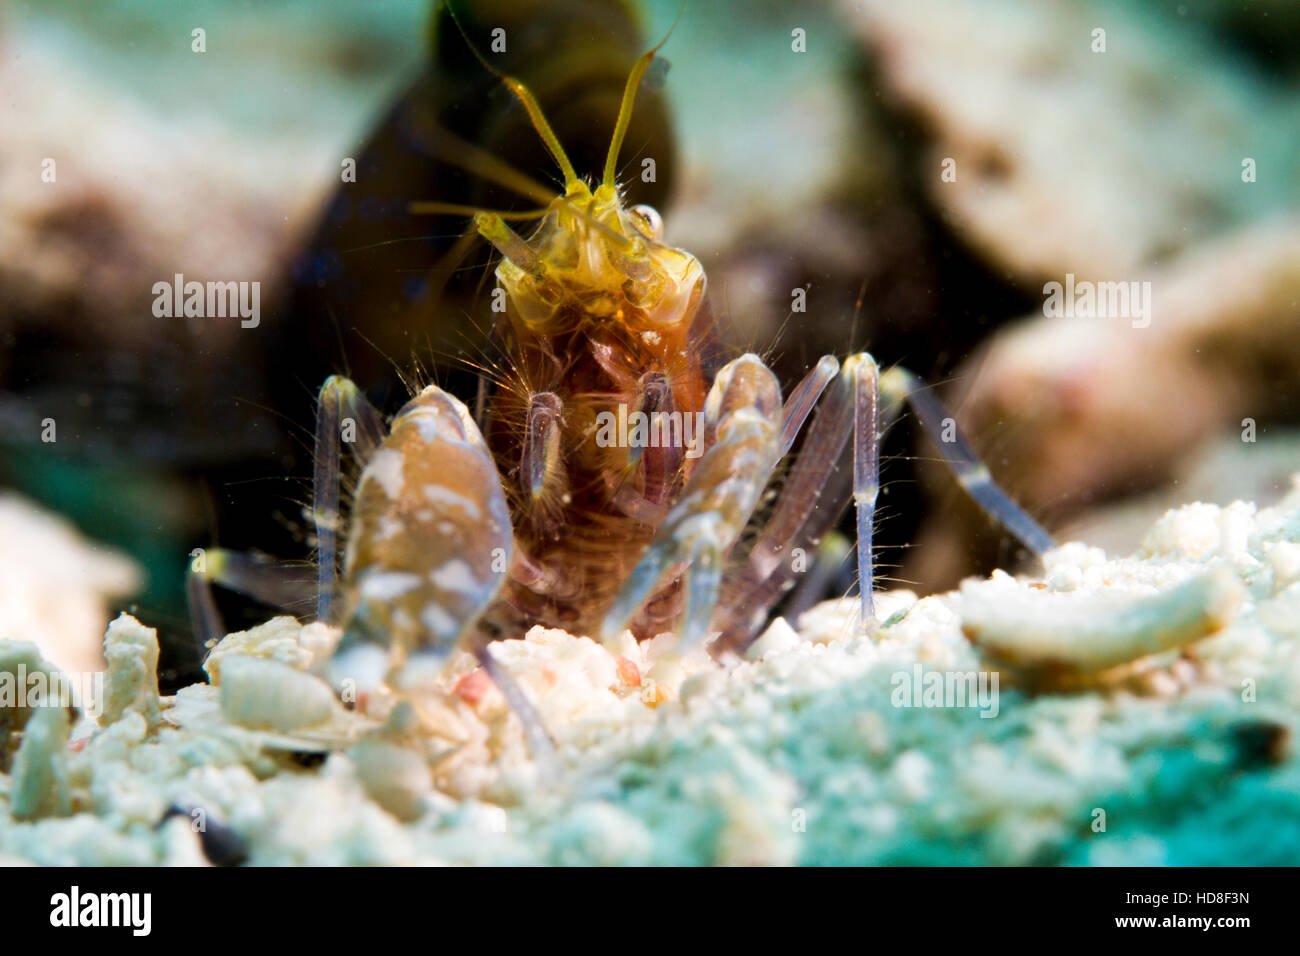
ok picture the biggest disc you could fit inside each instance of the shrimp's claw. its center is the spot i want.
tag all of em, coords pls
(431, 542)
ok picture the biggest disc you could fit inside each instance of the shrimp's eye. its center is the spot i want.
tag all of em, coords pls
(654, 226)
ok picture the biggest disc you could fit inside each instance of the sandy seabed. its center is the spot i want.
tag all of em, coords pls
(1132, 710)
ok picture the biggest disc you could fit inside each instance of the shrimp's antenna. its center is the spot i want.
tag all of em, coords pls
(447, 146)
(525, 96)
(629, 98)
(420, 208)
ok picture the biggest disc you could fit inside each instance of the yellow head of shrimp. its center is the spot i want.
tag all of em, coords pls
(593, 259)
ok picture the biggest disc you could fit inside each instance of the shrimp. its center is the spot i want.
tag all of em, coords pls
(612, 468)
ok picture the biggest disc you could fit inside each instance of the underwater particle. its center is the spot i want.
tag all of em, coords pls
(472, 687)
(628, 673)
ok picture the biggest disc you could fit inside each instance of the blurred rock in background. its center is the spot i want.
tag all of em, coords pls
(1172, 157)
(126, 158)
(57, 589)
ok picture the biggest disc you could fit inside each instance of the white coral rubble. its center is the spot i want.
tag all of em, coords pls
(826, 745)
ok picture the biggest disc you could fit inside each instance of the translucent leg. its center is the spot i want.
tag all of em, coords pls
(542, 474)
(864, 403)
(940, 427)
(205, 619)
(865, 377)
(288, 586)
(643, 490)
(896, 386)
(743, 412)
(342, 413)
(809, 503)
(804, 397)
(539, 740)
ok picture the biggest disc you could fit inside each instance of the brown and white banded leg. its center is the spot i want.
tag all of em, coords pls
(743, 414)
(430, 544)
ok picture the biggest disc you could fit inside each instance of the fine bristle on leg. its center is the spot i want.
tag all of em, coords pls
(961, 459)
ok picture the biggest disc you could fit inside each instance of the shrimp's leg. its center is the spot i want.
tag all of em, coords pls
(866, 472)
(340, 406)
(343, 413)
(811, 500)
(287, 586)
(900, 384)
(205, 619)
(865, 403)
(802, 399)
(743, 414)
(539, 740)
(656, 468)
(542, 475)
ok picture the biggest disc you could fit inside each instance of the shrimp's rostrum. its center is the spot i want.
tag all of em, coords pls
(463, 531)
